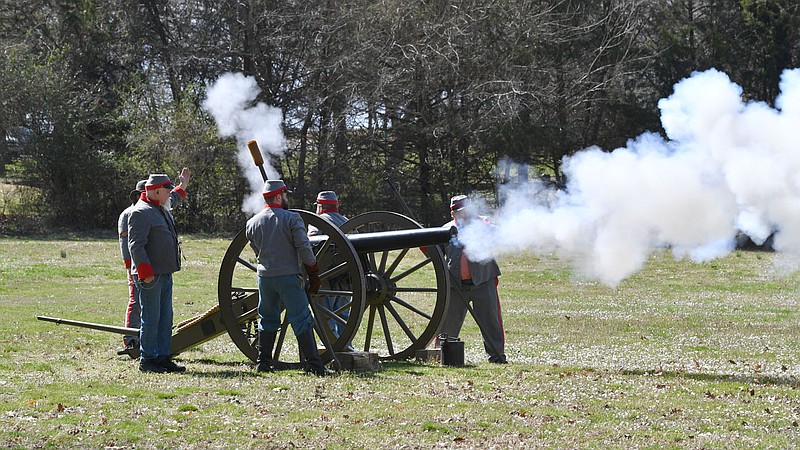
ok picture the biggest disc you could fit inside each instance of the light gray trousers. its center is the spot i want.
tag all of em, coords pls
(486, 304)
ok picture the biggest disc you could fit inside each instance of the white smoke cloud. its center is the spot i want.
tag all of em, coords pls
(726, 165)
(230, 101)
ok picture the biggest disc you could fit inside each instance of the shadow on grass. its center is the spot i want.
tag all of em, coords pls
(418, 369)
(404, 367)
(762, 380)
(212, 362)
(249, 369)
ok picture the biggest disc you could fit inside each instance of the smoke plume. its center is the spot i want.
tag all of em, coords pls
(230, 101)
(725, 166)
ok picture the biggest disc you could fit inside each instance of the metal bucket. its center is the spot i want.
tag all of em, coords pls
(452, 350)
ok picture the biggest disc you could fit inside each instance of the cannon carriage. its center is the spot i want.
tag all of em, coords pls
(387, 267)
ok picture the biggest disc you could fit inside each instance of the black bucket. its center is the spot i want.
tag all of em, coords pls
(452, 350)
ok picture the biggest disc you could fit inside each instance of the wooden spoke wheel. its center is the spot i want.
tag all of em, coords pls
(341, 274)
(407, 291)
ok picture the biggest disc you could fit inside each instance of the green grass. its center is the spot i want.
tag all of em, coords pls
(681, 355)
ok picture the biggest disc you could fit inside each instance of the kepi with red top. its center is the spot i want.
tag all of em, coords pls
(328, 203)
(327, 198)
(158, 180)
(458, 202)
(274, 187)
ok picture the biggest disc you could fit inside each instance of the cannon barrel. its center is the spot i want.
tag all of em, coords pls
(95, 326)
(395, 240)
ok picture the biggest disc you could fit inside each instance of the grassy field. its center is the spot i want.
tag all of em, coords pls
(681, 355)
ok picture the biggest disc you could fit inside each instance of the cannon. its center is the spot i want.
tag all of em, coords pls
(389, 269)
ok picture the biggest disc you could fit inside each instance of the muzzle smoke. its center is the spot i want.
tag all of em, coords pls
(229, 100)
(726, 166)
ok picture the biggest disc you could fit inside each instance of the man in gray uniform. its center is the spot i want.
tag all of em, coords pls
(155, 256)
(132, 312)
(328, 207)
(327, 204)
(474, 282)
(278, 238)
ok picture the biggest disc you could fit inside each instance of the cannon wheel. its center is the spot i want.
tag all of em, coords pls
(407, 291)
(237, 292)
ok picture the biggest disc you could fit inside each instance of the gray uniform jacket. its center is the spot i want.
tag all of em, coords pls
(175, 199)
(278, 237)
(481, 271)
(122, 229)
(334, 218)
(152, 240)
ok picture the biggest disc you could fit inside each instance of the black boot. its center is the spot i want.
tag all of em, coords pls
(167, 363)
(308, 346)
(266, 340)
(151, 366)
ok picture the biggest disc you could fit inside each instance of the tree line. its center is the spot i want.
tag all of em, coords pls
(432, 94)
